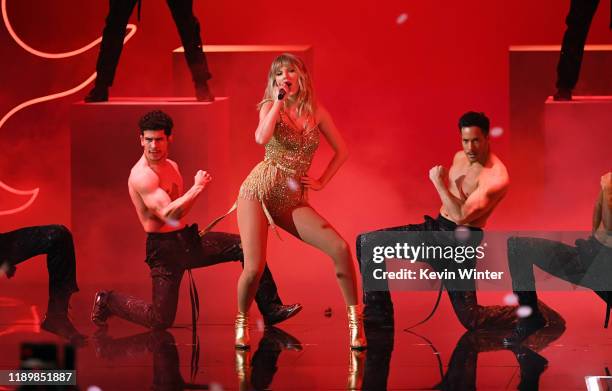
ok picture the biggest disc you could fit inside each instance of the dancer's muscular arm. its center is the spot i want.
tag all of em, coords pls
(336, 141)
(480, 202)
(146, 183)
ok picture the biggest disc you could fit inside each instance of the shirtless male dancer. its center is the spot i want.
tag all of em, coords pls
(476, 182)
(156, 189)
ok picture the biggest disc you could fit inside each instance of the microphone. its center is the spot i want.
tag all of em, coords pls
(281, 94)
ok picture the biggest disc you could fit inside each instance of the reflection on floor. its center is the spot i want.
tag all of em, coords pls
(310, 351)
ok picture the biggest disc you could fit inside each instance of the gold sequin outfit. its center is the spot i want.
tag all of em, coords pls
(276, 181)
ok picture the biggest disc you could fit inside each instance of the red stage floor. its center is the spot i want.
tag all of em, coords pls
(311, 352)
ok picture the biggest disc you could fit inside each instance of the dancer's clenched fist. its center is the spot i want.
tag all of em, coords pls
(202, 178)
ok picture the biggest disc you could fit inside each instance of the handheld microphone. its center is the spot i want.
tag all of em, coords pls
(281, 94)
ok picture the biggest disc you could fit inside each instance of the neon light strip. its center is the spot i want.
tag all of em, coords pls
(132, 30)
(46, 98)
(33, 193)
(39, 53)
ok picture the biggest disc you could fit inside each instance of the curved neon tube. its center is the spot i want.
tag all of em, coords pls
(39, 53)
(34, 193)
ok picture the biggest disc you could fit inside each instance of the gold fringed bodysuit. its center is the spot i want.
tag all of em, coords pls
(276, 181)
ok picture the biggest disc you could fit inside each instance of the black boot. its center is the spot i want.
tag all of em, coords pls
(57, 322)
(269, 302)
(61, 325)
(277, 313)
(202, 92)
(563, 94)
(97, 94)
(100, 312)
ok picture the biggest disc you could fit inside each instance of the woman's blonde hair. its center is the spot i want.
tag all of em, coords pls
(305, 96)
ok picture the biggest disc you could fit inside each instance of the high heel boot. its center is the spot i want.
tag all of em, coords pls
(357, 335)
(242, 331)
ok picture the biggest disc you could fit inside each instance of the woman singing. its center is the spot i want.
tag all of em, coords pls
(275, 192)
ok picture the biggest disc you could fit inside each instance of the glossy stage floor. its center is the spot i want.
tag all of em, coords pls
(310, 351)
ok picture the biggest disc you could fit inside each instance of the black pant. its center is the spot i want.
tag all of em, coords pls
(462, 293)
(56, 242)
(168, 256)
(114, 32)
(588, 264)
(578, 22)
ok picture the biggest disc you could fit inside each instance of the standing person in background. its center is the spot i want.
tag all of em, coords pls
(578, 23)
(112, 43)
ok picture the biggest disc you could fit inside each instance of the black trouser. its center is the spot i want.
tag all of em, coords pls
(114, 32)
(570, 263)
(578, 22)
(462, 293)
(53, 240)
(168, 256)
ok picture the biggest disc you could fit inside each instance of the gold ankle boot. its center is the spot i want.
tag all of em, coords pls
(357, 335)
(242, 331)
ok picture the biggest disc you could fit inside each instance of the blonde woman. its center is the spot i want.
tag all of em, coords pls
(275, 192)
